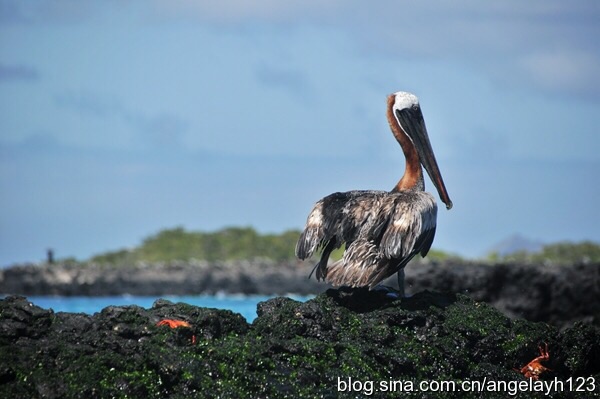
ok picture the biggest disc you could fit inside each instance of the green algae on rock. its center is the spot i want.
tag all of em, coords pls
(292, 349)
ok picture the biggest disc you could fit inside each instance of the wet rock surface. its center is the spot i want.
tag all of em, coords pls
(292, 349)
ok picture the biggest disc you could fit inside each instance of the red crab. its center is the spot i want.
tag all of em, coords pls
(534, 368)
(173, 323)
(176, 323)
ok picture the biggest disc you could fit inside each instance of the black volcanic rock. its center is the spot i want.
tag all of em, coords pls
(559, 295)
(342, 338)
(175, 278)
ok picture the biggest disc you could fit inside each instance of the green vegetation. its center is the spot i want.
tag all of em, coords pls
(245, 243)
(559, 253)
(233, 243)
(441, 256)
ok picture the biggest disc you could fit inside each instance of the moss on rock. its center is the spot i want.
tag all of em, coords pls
(292, 349)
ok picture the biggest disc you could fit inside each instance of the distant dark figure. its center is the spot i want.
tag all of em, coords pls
(382, 230)
(50, 255)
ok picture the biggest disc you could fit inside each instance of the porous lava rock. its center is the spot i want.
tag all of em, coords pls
(323, 347)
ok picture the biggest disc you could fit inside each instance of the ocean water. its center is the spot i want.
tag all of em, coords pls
(245, 305)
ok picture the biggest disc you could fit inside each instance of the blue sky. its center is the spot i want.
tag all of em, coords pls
(121, 118)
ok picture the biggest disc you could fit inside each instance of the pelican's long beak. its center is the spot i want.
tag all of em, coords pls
(412, 122)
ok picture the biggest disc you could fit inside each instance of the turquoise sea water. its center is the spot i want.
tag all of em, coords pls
(245, 305)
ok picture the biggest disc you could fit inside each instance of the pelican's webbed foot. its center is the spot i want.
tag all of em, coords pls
(389, 292)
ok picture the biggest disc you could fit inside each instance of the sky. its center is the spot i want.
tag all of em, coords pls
(122, 118)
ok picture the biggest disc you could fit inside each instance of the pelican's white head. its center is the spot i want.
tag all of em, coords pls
(405, 100)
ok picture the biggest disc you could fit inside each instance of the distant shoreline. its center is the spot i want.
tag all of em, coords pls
(560, 295)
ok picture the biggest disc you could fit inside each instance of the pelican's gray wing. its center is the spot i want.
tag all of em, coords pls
(323, 224)
(412, 226)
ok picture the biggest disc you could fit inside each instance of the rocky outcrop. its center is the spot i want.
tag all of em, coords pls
(174, 278)
(560, 295)
(343, 343)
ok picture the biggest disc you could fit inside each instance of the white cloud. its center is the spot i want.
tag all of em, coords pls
(507, 40)
(241, 11)
(545, 45)
(565, 71)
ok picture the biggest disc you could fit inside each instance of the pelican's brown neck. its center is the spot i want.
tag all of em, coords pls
(413, 173)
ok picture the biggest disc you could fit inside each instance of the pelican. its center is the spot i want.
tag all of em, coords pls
(382, 230)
